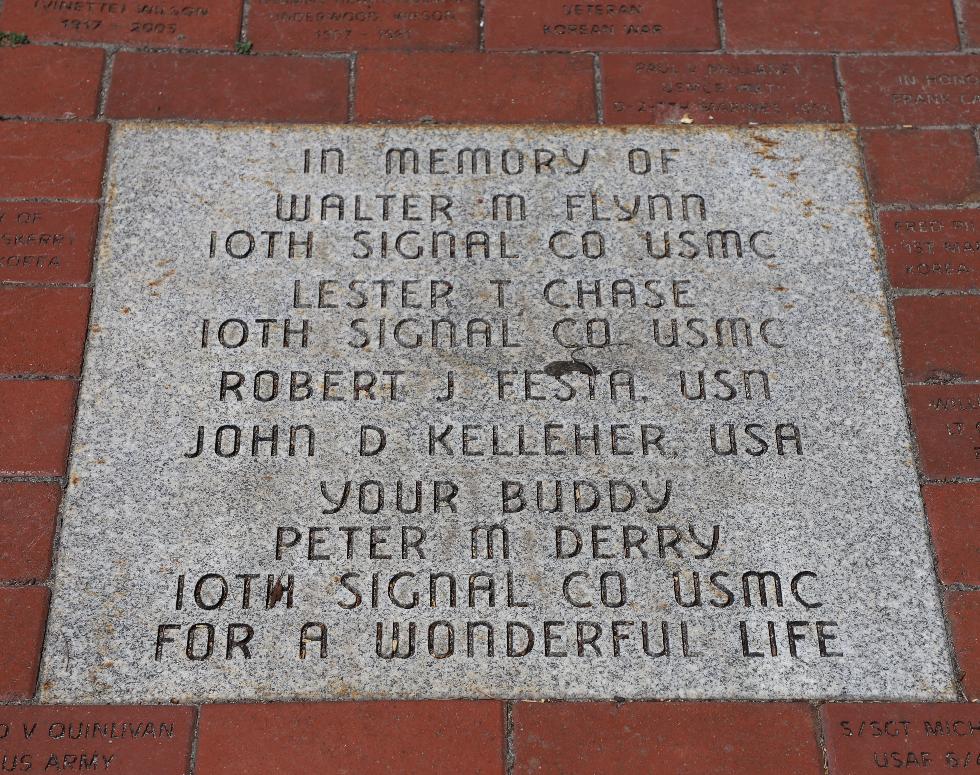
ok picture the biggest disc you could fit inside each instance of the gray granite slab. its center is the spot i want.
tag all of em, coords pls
(195, 564)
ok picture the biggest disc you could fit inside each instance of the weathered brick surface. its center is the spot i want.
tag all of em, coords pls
(50, 81)
(932, 248)
(665, 738)
(971, 22)
(51, 160)
(556, 25)
(42, 330)
(474, 87)
(711, 89)
(22, 615)
(35, 425)
(918, 90)
(233, 88)
(368, 738)
(940, 341)
(964, 618)
(946, 419)
(144, 739)
(954, 517)
(195, 24)
(27, 518)
(335, 25)
(871, 737)
(904, 165)
(842, 25)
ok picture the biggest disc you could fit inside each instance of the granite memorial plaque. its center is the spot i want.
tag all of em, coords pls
(490, 412)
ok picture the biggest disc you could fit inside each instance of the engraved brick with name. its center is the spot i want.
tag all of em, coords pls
(932, 248)
(333, 25)
(553, 25)
(710, 89)
(210, 24)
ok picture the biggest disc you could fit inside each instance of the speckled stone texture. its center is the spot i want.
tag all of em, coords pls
(821, 491)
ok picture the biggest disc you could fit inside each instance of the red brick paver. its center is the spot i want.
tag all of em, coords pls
(50, 82)
(710, 89)
(841, 25)
(558, 25)
(932, 248)
(22, 615)
(971, 21)
(475, 87)
(663, 738)
(335, 25)
(903, 165)
(918, 90)
(42, 330)
(142, 739)
(954, 516)
(234, 88)
(205, 23)
(964, 619)
(35, 424)
(946, 419)
(48, 160)
(27, 518)
(940, 337)
(353, 737)
(867, 738)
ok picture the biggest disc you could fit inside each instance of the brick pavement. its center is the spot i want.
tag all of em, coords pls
(906, 72)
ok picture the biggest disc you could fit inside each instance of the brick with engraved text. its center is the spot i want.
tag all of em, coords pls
(866, 738)
(932, 248)
(46, 243)
(664, 88)
(919, 90)
(335, 25)
(514, 25)
(946, 420)
(145, 739)
(194, 24)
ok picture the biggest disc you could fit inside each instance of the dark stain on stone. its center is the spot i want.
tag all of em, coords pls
(564, 368)
(276, 593)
